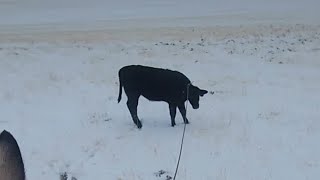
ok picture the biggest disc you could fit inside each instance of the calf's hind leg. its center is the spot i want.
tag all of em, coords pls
(132, 104)
(173, 110)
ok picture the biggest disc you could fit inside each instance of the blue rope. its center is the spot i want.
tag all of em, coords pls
(182, 139)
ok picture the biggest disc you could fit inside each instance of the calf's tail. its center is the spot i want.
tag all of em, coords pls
(120, 88)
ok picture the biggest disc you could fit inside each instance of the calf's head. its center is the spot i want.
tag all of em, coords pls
(194, 95)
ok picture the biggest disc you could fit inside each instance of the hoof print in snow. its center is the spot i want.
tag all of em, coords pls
(165, 44)
(162, 43)
(163, 173)
(200, 44)
(160, 173)
(96, 118)
(108, 119)
(63, 176)
(211, 92)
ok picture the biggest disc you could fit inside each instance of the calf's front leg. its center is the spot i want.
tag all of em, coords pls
(183, 112)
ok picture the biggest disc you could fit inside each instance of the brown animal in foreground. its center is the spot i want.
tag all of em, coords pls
(11, 163)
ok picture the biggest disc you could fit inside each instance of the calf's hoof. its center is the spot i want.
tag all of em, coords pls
(173, 124)
(139, 125)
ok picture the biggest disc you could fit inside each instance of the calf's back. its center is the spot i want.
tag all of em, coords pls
(153, 83)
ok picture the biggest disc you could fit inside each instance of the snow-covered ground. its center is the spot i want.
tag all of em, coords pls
(58, 74)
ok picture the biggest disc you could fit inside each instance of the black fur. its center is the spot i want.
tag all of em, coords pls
(157, 84)
(11, 163)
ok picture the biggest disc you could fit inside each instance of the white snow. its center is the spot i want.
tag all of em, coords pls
(59, 84)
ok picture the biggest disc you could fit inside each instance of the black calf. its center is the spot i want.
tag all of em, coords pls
(157, 84)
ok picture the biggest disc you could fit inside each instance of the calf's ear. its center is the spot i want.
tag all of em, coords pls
(203, 92)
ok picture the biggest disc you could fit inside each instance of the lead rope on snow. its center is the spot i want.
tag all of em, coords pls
(184, 130)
